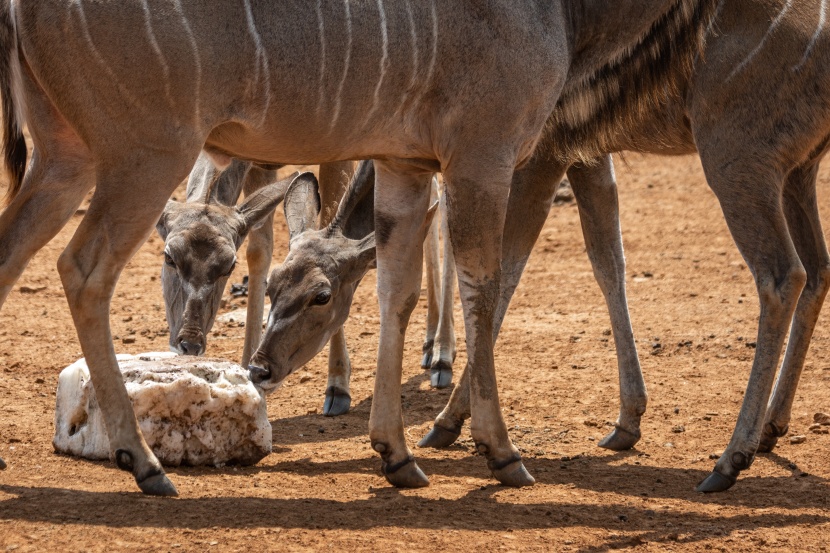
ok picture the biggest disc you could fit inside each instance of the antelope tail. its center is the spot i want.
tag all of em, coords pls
(14, 145)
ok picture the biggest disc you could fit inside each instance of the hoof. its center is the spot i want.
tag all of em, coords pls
(337, 402)
(406, 474)
(440, 374)
(513, 474)
(716, 482)
(2, 464)
(439, 436)
(619, 439)
(770, 435)
(158, 484)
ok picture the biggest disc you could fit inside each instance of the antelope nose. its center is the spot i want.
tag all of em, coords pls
(189, 348)
(258, 375)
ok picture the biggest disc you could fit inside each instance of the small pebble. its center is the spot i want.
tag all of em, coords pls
(678, 429)
(798, 439)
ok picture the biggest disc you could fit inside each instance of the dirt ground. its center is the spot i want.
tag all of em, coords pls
(689, 292)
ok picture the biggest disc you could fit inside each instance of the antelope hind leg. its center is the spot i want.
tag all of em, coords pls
(444, 350)
(804, 224)
(595, 189)
(432, 260)
(338, 397)
(531, 194)
(750, 197)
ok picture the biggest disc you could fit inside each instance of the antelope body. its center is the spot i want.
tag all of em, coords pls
(125, 95)
(756, 109)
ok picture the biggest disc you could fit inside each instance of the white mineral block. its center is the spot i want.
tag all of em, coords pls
(191, 410)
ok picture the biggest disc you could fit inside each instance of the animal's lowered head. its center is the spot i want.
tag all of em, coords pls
(311, 292)
(200, 245)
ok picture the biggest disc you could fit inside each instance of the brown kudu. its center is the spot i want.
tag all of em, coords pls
(124, 96)
(756, 110)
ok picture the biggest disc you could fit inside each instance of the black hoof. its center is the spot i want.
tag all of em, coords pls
(440, 374)
(716, 482)
(158, 484)
(405, 474)
(439, 436)
(619, 439)
(2, 464)
(512, 474)
(337, 402)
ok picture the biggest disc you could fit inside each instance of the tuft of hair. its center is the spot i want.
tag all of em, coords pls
(14, 144)
(592, 112)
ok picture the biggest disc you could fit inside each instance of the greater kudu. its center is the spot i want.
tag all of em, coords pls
(203, 234)
(755, 108)
(120, 96)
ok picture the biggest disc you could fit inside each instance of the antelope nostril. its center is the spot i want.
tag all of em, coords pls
(189, 348)
(258, 375)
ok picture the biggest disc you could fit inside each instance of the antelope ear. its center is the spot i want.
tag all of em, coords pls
(163, 224)
(366, 256)
(262, 203)
(302, 205)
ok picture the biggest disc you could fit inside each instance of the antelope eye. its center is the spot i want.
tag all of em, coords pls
(322, 298)
(169, 260)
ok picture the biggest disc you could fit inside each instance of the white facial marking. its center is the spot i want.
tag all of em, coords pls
(384, 59)
(198, 62)
(321, 30)
(345, 64)
(822, 18)
(775, 23)
(148, 25)
(261, 61)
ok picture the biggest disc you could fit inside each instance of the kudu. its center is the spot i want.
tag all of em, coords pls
(311, 292)
(755, 109)
(203, 234)
(120, 96)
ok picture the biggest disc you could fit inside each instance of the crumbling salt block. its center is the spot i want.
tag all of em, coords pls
(191, 410)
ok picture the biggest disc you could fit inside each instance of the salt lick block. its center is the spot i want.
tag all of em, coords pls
(191, 410)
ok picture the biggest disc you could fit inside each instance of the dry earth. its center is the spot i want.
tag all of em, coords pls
(694, 310)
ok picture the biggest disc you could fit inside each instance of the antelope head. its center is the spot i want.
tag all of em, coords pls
(311, 292)
(200, 244)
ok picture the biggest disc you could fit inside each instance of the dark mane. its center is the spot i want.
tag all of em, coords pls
(593, 111)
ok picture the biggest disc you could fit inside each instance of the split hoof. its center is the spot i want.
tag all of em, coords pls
(619, 439)
(337, 402)
(406, 474)
(440, 374)
(158, 484)
(513, 474)
(439, 436)
(2, 464)
(716, 482)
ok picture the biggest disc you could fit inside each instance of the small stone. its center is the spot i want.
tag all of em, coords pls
(816, 428)
(678, 429)
(305, 378)
(31, 290)
(128, 339)
(822, 418)
(716, 455)
(622, 518)
(677, 410)
(668, 444)
(798, 439)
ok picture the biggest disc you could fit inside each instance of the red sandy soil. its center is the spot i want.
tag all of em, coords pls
(689, 291)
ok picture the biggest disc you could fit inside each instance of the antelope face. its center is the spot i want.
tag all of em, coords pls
(199, 256)
(311, 294)
(200, 244)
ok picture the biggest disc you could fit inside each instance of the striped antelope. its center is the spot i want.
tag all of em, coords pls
(124, 96)
(312, 290)
(203, 234)
(755, 109)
